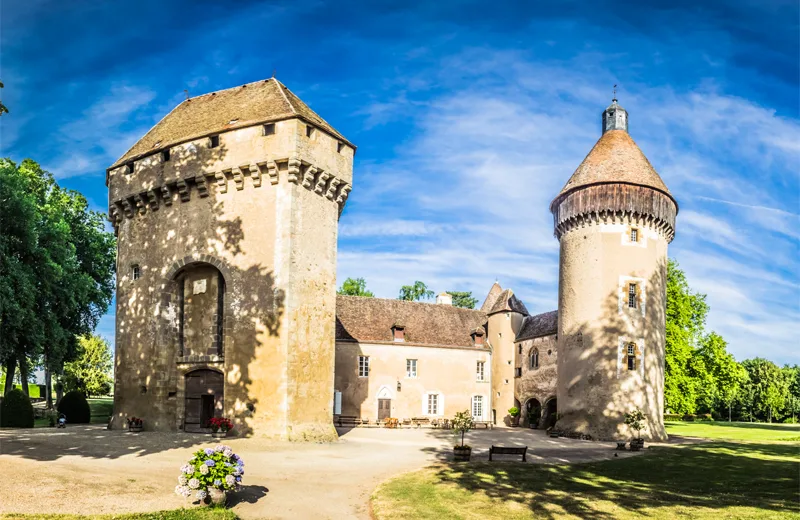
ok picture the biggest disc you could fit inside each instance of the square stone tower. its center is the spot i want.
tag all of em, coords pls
(226, 214)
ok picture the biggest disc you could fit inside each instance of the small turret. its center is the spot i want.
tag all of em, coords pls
(615, 117)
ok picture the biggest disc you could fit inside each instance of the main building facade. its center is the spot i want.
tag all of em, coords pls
(227, 212)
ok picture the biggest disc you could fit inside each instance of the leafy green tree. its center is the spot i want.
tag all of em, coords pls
(90, 373)
(724, 373)
(768, 388)
(416, 292)
(686, 315)
(792, 376)
(463, 299)
(3, 109)
(355, 287)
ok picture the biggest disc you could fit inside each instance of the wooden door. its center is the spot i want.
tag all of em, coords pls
(384, 409)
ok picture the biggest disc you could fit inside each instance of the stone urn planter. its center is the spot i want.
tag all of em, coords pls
(219, 434)
(216, 497)
(135, 428)
(462, 453)
(637, 444)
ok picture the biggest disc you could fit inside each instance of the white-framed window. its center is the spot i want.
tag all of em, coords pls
(411, 368)
(481, 374)
(634, 235)
(632, 296)
(477, 407)
(363, 366)
(631, 356)
(433, 404)
(136, 272)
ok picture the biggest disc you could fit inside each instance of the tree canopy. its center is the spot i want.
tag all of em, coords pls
(463, 299)
(416, 292)
(90, 372)
(355, 287)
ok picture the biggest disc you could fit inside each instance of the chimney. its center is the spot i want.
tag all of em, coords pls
(444, 299)
(478, 336)
(398, 332)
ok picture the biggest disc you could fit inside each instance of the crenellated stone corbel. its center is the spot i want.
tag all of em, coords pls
(255, 175)
(222, 182)
(238, 178)
(127, 207)
(309, 176)
(294, 169)
(166, 195)
(183, 190)
(272, 170)
(141, 205)
(332, 187)
(322, 182)
(202, 185)
(152, 198)
(344, 192)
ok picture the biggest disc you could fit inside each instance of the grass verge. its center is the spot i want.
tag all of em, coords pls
(742, 431)
(178, 514)
(704, 481)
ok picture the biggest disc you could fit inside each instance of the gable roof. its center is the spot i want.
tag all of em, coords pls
(370, 320)
(506, 301)
(250, 104)
(491, 298)
(537, 326)
(615, 158)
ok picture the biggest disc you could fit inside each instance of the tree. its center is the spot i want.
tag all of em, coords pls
(725, 373)
(686, 315)
(792, 376)
(90, 373)
(463, 299)
(355, 287)
(416, 292)
(768, 387)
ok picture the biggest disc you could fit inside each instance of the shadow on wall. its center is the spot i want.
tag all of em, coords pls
(603, 386)
(186, 222)
(354, 388)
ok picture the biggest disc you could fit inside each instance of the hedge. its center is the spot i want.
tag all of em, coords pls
(16, 410)
(75, 407)
(688, 417)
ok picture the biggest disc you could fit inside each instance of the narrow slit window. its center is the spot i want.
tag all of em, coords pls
(136, 272)
(213, 141)
(631, 356)
(339, 147)
(269, 129)
(534, 362)
(634, 235)
(129, 167)
(309, 130)
(632, 296)
(165, 155)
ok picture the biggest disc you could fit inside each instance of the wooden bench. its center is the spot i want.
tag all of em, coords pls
(348, 420)
(508, 450)
(420, 421)
(485, 424)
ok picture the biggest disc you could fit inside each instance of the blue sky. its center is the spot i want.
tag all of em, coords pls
(469, 117)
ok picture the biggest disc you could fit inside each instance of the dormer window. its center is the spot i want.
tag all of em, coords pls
(129, 167)
(634, 235)
(309, 130)
(478, 336)
(165, 155)
(269, 129)
(398, 333)
(213, 141)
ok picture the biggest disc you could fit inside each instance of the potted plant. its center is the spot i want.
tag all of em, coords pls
(462, 423)
(135, 424)
(514, 413)
(220, 426)
(210, 474)
(636, 420)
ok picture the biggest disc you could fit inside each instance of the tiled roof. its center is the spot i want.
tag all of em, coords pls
(543, 324)
(615, 158)
(506, 301)
(491, 298)
(247, 105)
(371, 319)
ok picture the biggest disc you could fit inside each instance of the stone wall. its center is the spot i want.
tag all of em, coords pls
(538, 383)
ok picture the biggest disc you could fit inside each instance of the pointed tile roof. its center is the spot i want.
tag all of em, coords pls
(615, 158)
(491, 298)
(246, 105)
(506, 301)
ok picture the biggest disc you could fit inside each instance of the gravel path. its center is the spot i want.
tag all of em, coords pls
(89, 470)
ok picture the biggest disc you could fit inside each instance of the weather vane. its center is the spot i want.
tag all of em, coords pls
(615, 93)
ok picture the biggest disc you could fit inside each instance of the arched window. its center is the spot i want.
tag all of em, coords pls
(534, 359)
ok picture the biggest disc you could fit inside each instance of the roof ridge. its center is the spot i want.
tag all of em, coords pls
(281, 86)
(408, 302)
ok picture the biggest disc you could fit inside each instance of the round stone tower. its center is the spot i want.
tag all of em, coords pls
(613, 219)
(226, 214)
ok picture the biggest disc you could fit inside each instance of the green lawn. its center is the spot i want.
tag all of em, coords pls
(706, 481)
(742, 431)
(180, 514)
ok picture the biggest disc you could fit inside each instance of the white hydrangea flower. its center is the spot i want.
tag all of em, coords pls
(204, 470)
(194, 483)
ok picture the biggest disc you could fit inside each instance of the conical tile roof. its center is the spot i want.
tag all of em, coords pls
(615, 158)
(246, 105)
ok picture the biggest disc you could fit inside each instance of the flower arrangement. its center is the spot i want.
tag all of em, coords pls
(135, 421)
(211, 468)
(219, 423)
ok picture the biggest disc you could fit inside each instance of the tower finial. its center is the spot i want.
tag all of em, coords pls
(615, 93)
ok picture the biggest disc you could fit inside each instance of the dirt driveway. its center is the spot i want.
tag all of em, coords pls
(88, 469)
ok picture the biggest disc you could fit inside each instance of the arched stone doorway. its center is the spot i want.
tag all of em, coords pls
(533, 412)
(550, 415)
(204, 399)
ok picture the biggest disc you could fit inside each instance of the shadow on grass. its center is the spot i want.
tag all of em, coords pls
(713, 476)
(789, 429)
